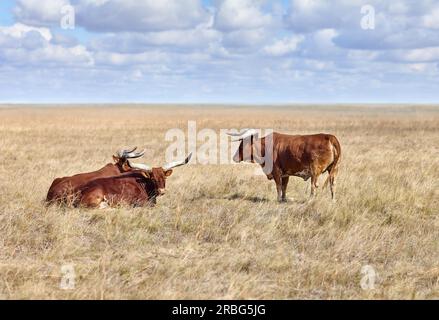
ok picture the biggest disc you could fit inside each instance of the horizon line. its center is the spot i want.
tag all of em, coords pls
(23, 103)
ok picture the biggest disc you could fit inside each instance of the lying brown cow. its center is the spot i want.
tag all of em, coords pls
(136, 188)
(305, 156)
(63, 189)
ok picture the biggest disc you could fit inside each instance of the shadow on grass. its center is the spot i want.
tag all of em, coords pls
(255, 199)
(234, 196)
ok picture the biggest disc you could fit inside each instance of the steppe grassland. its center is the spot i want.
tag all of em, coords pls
(219, 232)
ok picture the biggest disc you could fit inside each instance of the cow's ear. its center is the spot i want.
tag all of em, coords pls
(168, 172)
(115, 159)
(147, 175)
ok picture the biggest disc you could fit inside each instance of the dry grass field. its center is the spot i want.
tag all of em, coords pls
(219, 232)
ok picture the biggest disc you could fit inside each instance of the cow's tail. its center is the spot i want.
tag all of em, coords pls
(336, 149)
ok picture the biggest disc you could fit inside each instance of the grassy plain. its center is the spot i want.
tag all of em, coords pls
(219, 232)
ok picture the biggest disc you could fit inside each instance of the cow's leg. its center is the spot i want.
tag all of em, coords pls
(93, 200)
(278, 181)
(314, 184)
(279, 190)
(315, 174)
(285, 180)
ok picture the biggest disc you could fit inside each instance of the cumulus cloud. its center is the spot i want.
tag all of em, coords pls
(39, 12)
(65, 40)
(135, 15)
(224, 48)
(312, 15)
(115, 15)
(129, 42)
(20, 30)
(414, 55)
(241, 14)
(407, 39)
(21, 44)
(245, 38)
(283, 46)
(125, 59)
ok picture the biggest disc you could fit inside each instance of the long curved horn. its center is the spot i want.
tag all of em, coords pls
(129, 151)
(123, 153)
(133, 155)
(139, 166)
(233, 134)
(177, 163)
(129, 154)
(247, 133)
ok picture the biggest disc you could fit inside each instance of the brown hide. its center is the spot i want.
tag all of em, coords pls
(135, 188)
(305, 156)
(63, 189)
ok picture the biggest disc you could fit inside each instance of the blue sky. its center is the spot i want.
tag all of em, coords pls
(220, 51)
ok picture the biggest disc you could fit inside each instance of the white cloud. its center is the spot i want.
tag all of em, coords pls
(419, 55)
(135, 15)
(176, 47)
(174, 40)
(123, 59)
(21, 44)
(283, 46)
(18, 30)
(115, 15)
(65, 40)
(55, 54)
(50, 55)
(245, 38)
(39, 12)
(320, 45)
(241, 14)
(312, 15)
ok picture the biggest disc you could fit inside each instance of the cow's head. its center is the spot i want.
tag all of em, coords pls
(158, 175)
(246, 150)
(121, 157)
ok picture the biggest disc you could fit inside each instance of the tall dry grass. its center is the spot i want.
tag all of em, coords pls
(219, 232)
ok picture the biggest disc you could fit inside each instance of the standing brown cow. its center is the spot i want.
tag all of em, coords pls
(63, 189)
(135, 188)
(305, 156)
